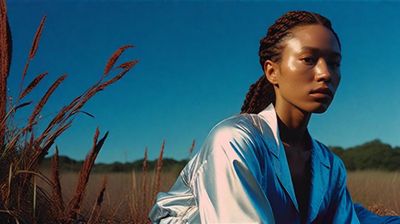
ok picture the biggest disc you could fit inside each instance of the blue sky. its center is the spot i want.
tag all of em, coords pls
(197, 61)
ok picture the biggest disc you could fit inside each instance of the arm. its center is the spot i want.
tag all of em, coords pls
(175, 206)
(227, 184)
(221, 183)
(342, 206)
(347, 212)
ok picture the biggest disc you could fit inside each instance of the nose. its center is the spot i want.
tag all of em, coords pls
(323, 72)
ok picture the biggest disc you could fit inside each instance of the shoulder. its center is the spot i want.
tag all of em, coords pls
(235, 134)
(235, 127)
(230, 144)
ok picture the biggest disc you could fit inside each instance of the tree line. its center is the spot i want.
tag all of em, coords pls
(370, 155)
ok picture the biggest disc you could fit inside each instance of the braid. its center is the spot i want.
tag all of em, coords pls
(256, 90)
(261, 93)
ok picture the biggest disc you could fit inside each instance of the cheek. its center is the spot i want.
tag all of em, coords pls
(295, 74)
(292, 64)
(336, 80)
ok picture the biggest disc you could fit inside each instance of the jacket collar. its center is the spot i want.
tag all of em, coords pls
(320, 164)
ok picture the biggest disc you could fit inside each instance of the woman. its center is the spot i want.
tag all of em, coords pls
(262, 166)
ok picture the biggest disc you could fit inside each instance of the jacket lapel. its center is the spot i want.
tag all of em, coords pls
(280, 163)
(320, 174)
(320, 165)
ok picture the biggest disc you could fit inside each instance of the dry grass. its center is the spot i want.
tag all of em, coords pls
(374, 189)
(377, 190)
(23, 148)
(123, 197)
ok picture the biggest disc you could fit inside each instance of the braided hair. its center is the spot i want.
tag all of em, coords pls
(262, 93)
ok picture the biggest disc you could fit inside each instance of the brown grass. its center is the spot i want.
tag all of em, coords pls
(56, 188)
(34, 48)
(32, 85)
(43, 101)
(22, 149)
(377, 190)
(95, 214)
(158, 168)
(114, 58)
(124, 191)
(75, 203)
(192, 147)
(5, 60)
(142, 198)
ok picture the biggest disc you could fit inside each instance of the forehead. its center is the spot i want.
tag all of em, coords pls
(312, 36)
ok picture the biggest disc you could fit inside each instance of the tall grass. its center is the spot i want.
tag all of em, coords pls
(124, 189)
(129, 195)
(377, 190)
(22, 149)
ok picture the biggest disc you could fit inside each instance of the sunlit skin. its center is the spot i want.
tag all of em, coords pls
(310, 59)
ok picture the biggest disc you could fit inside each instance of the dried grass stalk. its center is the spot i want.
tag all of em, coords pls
(44, 99)
(55, 177)
(22, 160)
(76, 105)
(34, 47)
(95, 214)
(41, 151)
(11, 111)
(157, 176)
(114, 58)
(5, 60)
(192, 146)
(38, 34)
(144, 185)
(37, 174)
(10, 145)
(34, 198)
(74, 204)
(128, 65)
(10, 174)
(134, 196)
(32, 85)
(59, 119)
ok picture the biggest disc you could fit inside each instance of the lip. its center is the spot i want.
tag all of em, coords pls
(321, 92)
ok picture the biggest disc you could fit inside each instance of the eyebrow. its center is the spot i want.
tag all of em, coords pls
(334, 53)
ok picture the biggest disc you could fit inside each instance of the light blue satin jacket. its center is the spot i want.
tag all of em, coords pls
(241, 175)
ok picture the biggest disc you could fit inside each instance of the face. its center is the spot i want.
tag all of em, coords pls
(308, 73)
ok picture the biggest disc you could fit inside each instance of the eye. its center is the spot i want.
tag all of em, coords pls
(309, 60)
(335, 64)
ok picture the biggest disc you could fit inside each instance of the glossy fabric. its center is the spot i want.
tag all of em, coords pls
(241, 175)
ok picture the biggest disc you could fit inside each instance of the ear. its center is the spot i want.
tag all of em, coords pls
(271, 71)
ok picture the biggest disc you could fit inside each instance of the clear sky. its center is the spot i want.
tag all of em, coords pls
(197, 61)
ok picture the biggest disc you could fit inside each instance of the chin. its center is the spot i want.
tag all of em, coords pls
(315, 107)
(319, 108)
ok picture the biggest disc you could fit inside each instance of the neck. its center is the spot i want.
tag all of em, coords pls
(292, 123)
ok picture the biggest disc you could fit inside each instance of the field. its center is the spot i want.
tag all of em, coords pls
(128, 197)
(377, 190)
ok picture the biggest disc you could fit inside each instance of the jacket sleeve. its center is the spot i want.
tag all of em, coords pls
(367, 217)
(220, 184)
(175, 206)
(342, 206)
(227, 184)
(347, 212)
